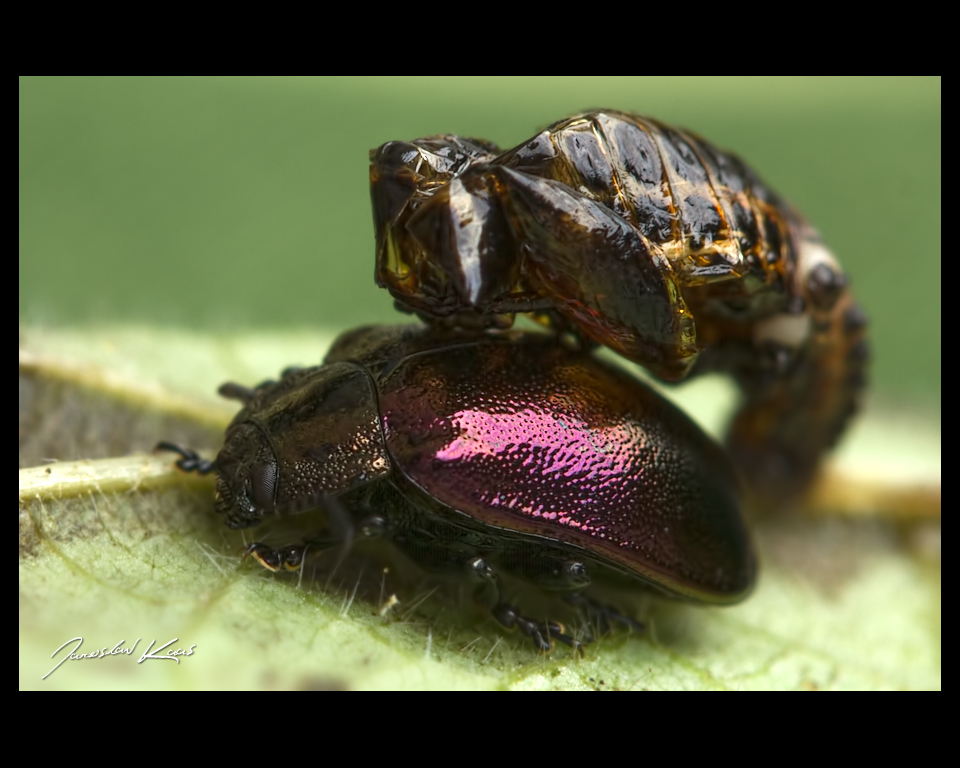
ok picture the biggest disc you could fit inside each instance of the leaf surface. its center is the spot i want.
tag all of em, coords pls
(129, 548)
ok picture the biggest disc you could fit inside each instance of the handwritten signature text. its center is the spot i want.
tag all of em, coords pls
(174, 654)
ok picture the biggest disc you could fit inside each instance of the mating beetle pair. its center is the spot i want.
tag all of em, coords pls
(492, 452)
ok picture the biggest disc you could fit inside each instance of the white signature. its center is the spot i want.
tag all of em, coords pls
(173, 654)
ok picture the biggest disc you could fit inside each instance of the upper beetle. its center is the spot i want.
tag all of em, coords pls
(646, 239)
(490, 454)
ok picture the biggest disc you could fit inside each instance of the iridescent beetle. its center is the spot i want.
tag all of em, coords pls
(488, 456)
(648, 240)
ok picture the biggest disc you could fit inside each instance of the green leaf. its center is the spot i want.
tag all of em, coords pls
(124, 548)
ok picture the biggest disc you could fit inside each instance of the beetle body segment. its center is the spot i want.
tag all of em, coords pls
(505, 452)
(646, 239)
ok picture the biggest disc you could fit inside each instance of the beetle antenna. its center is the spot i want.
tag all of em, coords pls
(190, 460)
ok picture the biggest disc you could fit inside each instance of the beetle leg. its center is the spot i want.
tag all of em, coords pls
(233, 391)
(343, 530)
(289, 558)
(568, 576)
(190, 461)
(246, 395)
(539, 632)
(601, 615)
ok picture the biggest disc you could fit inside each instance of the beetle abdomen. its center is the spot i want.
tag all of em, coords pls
(703, 207)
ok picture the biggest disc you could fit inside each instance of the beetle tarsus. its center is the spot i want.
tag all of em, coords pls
(289, 558)
(539, 632)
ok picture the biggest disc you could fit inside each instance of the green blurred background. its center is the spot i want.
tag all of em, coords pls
(229, 203)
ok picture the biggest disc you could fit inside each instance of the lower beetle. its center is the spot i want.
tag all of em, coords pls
(492, 454)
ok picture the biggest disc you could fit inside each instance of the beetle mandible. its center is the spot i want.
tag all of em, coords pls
(646, 239)
(489, 455)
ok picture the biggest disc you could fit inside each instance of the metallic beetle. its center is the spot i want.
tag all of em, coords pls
(648, 240)
(494, 454)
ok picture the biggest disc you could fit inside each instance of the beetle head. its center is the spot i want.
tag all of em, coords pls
(248, 476)
(312, 435)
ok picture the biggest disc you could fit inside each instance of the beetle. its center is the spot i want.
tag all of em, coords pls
(488, 455)
(647, 239)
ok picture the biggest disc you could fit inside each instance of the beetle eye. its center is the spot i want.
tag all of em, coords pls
(263, 480)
